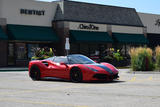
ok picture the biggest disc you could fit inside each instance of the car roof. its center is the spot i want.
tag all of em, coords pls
(51, 58)
(70, 55)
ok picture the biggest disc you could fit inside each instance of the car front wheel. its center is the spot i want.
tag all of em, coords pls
(76, 75)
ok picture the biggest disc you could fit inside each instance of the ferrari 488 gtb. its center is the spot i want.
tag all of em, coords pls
(76, 68)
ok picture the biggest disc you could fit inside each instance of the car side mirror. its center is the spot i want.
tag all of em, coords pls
(62, 63)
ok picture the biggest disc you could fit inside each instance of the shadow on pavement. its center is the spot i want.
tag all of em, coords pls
(86, 82)
(104, 82)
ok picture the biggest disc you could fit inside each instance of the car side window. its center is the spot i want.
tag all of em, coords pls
(50, 59)
(71, 61)
(61, 59)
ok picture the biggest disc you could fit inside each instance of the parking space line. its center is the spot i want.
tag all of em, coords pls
(133, 79)
(136, 79)
(46, 90)
(150, 78)
(42, 103)
(36, 90)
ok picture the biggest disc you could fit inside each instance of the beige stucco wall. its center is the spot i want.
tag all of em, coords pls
(0, 8)
(3, 21)
(149, 20)
(127, 29)
(10, 9)
(75, 26)
(105, 28)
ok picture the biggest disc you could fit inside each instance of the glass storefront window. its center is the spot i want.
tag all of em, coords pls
(84, 49)
(94, 50)
(88, 49)
(74, 48)
(21, 51)
(124, 48)
(11, 54)
(31, 50)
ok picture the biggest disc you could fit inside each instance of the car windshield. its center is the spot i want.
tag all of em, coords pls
(79, 59)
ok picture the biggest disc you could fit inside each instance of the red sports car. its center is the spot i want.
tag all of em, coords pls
(76, 68)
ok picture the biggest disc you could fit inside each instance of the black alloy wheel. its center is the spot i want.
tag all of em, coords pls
(35, 73)
(76, 75)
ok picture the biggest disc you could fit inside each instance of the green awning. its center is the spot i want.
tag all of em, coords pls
(130, 38)
(89, 37)
(3, 36)
(31, 33)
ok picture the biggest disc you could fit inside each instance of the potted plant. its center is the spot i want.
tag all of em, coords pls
(42, 53)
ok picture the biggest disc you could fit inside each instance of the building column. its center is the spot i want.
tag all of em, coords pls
(3, 45)
(109, 30)
(3, 53)
(62, 30)
(145, 31)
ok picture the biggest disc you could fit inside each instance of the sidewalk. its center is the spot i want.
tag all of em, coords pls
(10, 69)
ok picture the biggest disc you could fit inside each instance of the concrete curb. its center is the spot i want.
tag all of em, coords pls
(138, 72)
(144, 72)
(12, 69)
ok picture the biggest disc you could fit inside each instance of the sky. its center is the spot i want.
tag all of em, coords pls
(145, 6)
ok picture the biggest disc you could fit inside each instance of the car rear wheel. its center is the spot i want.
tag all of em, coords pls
(35, 73)
(76, 75)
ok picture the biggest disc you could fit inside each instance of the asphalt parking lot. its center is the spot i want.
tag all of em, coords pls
(131, 90)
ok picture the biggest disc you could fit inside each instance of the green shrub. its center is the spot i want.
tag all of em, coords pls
(113, 55)
(42, 53)
(108, 58)
(157, 50)
(117, 56)
(141, 59)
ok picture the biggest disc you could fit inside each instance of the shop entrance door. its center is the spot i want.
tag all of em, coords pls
(11, 54)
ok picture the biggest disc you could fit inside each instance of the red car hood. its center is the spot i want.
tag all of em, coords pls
(101, 68)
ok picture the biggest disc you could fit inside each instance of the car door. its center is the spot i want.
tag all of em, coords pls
(59, 69)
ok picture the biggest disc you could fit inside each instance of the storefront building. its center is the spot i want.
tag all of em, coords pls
(91, 28)
(152, 28)
(27, 25)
